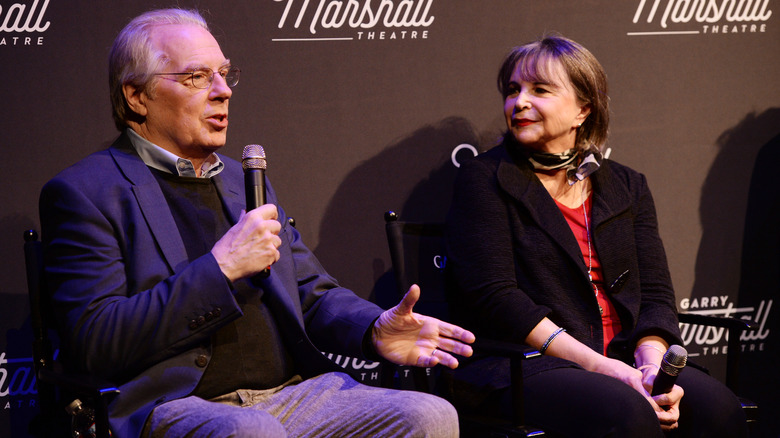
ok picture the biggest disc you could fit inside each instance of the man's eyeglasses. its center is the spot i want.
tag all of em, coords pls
(204, 77)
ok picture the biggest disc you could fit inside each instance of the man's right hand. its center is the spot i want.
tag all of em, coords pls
(251, 245)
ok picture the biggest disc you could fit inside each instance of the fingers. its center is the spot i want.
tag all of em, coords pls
(667, 407)
(668, 419)
(262, 218)
(436, 357)
(445, 329)
(454, 332)
(671, 398)
(409, 300)
(266, 211)
(251, 245)
(455, 347)
(428, 360)
(451, 341)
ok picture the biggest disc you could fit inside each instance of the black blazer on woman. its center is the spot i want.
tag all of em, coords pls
(515, 260)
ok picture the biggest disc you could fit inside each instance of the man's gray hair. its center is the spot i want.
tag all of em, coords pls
(133, 59)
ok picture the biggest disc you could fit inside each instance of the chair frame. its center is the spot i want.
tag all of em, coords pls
(734, 326)
(54, 384)
(470, 425)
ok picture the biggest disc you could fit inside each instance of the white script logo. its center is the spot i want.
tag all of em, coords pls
(366, 19)
(26, 19)
(712, 16)
(708, 338)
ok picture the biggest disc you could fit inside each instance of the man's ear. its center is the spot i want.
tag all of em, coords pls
(136, 99)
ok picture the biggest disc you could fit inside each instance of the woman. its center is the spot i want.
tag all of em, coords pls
(553, 247)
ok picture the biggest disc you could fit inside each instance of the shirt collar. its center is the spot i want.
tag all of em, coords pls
(162, 160)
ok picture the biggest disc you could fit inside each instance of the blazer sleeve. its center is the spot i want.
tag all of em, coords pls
(335, 318)
(480, 257)
(657, 311)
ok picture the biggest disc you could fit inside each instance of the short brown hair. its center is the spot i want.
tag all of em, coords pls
(584, 71)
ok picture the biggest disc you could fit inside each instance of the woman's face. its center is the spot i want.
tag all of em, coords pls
(544, 115)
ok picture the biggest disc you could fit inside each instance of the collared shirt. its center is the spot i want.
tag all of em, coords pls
(158, 158)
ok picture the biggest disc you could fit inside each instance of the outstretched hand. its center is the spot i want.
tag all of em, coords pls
(407, 338)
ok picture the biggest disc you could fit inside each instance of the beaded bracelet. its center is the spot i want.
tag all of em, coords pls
(550, 339)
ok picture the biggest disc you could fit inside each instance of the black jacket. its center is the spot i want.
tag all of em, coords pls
(515, 260)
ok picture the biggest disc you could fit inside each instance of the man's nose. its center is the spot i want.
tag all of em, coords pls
(220, 88)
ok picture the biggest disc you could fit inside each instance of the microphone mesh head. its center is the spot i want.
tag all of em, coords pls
(674, 360)
(253, 157)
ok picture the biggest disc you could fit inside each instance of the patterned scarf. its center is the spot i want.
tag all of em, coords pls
(578, 164)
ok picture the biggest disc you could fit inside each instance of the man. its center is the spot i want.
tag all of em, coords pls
(153, 267)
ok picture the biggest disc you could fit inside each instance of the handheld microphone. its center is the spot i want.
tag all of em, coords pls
(254, 164)
(673, 362)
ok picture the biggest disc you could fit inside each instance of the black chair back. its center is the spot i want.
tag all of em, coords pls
(418, 256)
(57, 389)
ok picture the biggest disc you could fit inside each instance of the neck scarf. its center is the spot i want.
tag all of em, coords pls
(578, 164)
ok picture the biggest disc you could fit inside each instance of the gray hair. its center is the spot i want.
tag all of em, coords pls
(133, 59)
(534, 60)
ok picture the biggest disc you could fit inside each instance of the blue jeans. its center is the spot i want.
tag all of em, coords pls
(328, 405)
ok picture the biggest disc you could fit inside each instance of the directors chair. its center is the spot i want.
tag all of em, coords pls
(418, 256)
(59, 391)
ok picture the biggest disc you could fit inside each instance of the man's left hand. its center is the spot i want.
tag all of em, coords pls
(407, 338)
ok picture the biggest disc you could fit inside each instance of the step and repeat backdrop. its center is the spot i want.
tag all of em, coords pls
(365, 106)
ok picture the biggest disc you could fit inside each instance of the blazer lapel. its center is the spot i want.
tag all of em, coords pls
(610, 197)
(151, 202)
(231, 191)
(519, 181)
(230, 187)
(610, 237)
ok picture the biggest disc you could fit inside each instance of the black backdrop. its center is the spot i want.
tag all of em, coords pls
(361, 114)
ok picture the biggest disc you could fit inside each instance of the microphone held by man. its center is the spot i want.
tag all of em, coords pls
(254, 164)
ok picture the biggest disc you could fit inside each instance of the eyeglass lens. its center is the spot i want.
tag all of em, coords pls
(204, 78)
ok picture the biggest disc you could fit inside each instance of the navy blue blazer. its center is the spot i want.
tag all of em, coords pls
(515, 260)
(131, 307)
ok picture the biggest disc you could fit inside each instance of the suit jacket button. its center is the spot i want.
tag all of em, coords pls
(201, 320)
(193, 324)
(202, 360)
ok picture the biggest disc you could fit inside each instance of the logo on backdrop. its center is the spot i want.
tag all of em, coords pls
(456, 158)
(360, 370)
(705, 17)
(354, 20)
(17, 383)
(711, 341)
(23, 23)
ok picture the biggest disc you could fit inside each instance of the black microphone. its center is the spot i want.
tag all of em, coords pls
(673, 362)
(254, 165)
